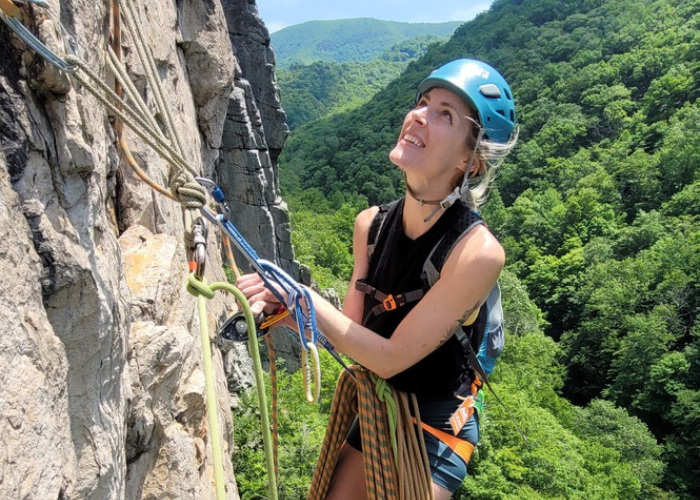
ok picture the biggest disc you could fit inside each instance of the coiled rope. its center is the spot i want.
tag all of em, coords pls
(389, 475)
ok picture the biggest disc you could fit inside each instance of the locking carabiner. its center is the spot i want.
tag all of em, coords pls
(199, 247)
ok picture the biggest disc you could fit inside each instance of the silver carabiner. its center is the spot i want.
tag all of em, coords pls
(199, 246)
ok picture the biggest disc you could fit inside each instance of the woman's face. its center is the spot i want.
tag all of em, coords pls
(432, 142)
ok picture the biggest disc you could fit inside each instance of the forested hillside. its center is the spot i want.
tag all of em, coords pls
(312, 91)
(344, 40)
(599, 211)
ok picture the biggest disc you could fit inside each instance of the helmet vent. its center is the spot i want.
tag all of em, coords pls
(501, 112)
(508, 96)
(490, 90)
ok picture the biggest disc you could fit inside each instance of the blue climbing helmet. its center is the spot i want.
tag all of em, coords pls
(484, 90)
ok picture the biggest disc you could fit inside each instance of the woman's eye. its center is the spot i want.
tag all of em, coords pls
(447, 115)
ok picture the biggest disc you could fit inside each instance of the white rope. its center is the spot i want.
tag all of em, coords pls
(117, 68)
(149, 66)
(133, 120)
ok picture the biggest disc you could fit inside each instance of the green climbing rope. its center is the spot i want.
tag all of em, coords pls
(202, 291)
(384, 393)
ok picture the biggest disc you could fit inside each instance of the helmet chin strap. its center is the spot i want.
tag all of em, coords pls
(457, 192)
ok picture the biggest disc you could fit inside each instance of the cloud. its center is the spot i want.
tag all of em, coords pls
(457, 14)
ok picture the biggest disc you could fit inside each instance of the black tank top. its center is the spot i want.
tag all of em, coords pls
(396, 267)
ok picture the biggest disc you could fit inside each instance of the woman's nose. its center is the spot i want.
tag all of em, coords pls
(419, 115)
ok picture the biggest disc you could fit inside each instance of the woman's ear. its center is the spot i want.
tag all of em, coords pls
(475, 170)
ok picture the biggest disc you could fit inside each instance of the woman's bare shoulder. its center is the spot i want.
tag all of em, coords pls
(364, 220)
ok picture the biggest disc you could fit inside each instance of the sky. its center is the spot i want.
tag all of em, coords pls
(278, 14)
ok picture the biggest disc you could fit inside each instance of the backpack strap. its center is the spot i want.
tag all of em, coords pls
(432, 266)
(388, 302)
(376, 227)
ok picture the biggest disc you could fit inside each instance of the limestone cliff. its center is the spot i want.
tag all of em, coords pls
(101, 381)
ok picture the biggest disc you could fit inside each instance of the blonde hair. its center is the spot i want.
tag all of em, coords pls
(489, 156)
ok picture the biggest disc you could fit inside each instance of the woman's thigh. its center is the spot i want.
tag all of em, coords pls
(348, 481)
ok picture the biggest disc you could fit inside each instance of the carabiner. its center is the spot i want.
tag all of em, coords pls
(199, 247)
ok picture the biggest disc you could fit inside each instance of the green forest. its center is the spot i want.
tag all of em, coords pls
(322, 88)
(354, 40)
(598, 208)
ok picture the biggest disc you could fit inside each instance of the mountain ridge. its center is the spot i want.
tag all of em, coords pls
(336, 40)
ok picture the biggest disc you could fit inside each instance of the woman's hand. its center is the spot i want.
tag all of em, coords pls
(259, 297)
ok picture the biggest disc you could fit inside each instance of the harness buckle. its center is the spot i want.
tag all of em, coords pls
(389, 303)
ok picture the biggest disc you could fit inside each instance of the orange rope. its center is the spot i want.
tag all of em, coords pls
(9, 8)
(384, 479)
(353, 396)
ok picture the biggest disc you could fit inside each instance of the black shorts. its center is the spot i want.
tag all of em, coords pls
(447, 469)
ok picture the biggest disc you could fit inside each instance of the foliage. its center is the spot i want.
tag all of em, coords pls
(598, 210)
(311, 91)
(301, 430)
(358, 40)
(324, 243)
(321, 88)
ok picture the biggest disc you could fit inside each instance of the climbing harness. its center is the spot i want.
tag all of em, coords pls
(395, 461)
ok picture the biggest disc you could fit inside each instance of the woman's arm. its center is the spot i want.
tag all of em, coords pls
(465, 281)
(261, 299)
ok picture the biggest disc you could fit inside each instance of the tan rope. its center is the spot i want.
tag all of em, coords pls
(415, 480)
(122, 78)
(9, 8)
(149, 66)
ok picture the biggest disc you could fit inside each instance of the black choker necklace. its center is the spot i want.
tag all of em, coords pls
(420, 200)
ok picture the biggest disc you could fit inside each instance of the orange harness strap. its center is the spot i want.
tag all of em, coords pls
(462, 448)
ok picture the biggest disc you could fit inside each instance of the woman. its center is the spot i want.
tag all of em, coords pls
(463, 124)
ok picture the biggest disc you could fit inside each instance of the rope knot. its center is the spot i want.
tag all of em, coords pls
(199, 287)
(188, 191)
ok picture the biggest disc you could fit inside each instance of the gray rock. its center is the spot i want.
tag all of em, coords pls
(101, 381)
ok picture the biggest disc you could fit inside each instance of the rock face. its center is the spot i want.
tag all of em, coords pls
(101, 379)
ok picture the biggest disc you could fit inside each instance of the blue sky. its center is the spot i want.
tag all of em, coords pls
(277, 14)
